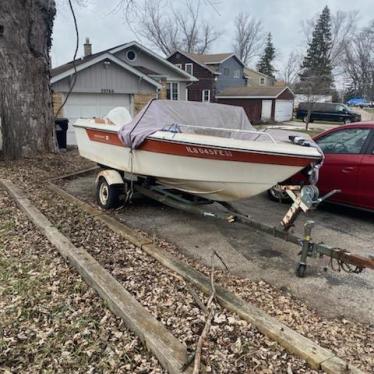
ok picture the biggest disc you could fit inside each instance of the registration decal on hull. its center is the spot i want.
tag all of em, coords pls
(209, 151)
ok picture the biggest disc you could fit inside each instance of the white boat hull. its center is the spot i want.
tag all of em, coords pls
(211, 178)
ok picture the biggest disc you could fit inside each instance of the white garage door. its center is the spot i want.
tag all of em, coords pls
(283, 110)
(91, 105)
(266, 110)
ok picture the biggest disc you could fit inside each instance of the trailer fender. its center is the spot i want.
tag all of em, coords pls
(111, 176)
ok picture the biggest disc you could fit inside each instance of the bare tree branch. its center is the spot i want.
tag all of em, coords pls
(249, 37)
(169, 29)
(358, 62)
(291, 70)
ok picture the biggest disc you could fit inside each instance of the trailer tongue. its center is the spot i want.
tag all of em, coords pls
(340, 259)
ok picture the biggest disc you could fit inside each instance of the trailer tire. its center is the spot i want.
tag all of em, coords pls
(107, 195)
(300, 270)
(278, 196)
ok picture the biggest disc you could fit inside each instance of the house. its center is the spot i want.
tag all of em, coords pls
(214, 72)
(255, 78)
(262, 104)
(299, 98)
(127, 75)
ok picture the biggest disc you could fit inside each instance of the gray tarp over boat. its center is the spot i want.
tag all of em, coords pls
(198, 118)
(178, 115)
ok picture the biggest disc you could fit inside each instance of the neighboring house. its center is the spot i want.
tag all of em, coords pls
(262, 104)
(215, 72)
(300, 98)
(128, 75)
(255, 78)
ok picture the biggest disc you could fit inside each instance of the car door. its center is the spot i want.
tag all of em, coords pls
(365, 198)
(343, 156)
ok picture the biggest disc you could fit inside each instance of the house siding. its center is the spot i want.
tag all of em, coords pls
(225, 81)
(206, 78)
(254, 79)
(143, 59)
(100, 77)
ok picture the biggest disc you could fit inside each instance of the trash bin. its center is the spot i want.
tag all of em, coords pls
(61, 126)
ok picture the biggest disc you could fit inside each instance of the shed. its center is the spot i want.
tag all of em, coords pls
(261, 104)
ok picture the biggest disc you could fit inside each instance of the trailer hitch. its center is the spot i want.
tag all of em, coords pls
(304, 198)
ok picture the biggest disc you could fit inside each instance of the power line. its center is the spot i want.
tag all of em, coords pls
(74, 79)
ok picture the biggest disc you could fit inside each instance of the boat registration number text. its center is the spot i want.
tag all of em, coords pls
(209, 151)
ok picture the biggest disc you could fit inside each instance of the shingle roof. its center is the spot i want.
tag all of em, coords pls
(247, 70)
(65, 67)
(145, 70)
(247, 91)
(209, 59)
(69, 65)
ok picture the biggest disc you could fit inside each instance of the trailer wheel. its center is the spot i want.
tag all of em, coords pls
(276, 194)
(107, 195)
(300, 271)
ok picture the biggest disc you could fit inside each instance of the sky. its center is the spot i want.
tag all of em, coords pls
(106, 27)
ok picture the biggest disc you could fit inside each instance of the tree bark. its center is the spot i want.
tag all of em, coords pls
(25, 97)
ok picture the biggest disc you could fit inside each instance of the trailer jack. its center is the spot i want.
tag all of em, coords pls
(304, 198)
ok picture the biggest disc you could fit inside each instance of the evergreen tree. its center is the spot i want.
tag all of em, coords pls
(265, 65)
(316, 72)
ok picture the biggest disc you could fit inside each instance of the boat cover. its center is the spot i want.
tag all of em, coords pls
(177, 116)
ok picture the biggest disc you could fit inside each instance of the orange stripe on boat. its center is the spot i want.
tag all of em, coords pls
(201, 151)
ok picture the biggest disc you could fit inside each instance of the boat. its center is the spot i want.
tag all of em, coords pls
(203, 149)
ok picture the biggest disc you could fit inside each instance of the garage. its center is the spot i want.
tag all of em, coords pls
(266, 110)
(103, 82)
(283, 110)
(261, 104)
(81, 105)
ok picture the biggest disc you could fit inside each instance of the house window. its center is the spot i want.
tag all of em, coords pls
(178, 66)
(236, 73)
(226, 71)
(131, 55)
(262, 81)
(188, 68)
(205, 96)
(172, 91)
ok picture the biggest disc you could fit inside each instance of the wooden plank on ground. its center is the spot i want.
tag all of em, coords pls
(170, 352)
(297, 344)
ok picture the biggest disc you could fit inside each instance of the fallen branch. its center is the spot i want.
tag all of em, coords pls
(221, 259)
(188, 362)
(196, 298)
(208, 321)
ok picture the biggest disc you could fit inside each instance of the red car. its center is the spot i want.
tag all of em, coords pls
(348, 165)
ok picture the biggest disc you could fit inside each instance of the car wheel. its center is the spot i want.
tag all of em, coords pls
(347, 121)
(107, 195)
(276, 194)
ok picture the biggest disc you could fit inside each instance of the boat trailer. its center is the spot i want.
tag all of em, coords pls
(304, 198)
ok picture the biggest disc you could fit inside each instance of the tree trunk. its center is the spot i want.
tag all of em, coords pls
(25, 98)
